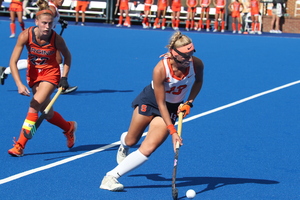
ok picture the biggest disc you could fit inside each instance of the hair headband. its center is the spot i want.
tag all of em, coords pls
(44, 12)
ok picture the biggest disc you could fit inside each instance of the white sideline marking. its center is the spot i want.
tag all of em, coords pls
(32, 171)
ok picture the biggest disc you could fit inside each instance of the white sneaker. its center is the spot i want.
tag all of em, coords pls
(278, 31)
(240, 32)
(233, 31)
(12, 36)
(199, 29)
(252, 32)
(111, 183)
(122, 153)
(207, 30)
(222, 31)
(187, 29)
(24, 17)
(163, 27)
(272, 31)
(119, 25)
(31, 15)
(128, 26)
(215, 30)
(259, 32)
(144, 25)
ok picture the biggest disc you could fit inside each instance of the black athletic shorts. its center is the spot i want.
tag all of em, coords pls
(147, 104)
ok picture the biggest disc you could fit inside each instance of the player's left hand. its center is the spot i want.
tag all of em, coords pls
(185, 108)
(176, 138)
(63, 83)
(63, 23)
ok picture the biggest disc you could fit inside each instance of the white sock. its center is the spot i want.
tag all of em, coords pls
(21, 64)
(122, 139)
(132, 161)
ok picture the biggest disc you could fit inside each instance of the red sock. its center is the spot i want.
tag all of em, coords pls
(177, 23)
(187, 23)
(252, 26)
(121, 19)
(22, 26)
(216, 25)
(239, 26)
(13, 28)
(164, 22)
(200, 24)
(59, 121)
(207, 24)
(156, 21)
(31, 118)
(173, 23)
(257, 27)
(192, 24)
(233, 27)
(223, 25)
(128, 20)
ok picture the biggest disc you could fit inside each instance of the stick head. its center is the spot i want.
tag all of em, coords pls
(175, 193)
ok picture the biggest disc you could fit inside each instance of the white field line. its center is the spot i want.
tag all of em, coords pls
(32, 171)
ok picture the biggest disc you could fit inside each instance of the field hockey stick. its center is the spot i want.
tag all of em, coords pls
(42, 117)
(179, 130)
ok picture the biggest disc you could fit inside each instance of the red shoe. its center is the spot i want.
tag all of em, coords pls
(70, 135)
(17, 150)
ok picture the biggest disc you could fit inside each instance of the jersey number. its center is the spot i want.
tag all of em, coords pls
(176, 90)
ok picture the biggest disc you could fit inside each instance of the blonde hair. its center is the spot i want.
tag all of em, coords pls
(178, 40)
(43, 8)
(42, 5)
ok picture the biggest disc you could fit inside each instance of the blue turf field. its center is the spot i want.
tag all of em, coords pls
(233, 149)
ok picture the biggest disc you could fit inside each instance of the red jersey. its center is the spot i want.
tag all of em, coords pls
(192, 3)
(41, 56)
(42, 64)
(220, 3)
(205, 3)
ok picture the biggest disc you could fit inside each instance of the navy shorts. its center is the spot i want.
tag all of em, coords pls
(147, 104)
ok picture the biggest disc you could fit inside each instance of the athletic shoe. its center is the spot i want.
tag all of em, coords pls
(240, 32)
(17, 150)
(259, 32)
(222, 31)
(207, 30)
(163, 27)
(154, 27)
(215, 30)
(12, 35)
(233, 31)
(252, 32)
(3, 76)
(272, 31)
(187, 29)
(199, 29)
(111, 183)
(119, 25)
(144, 25)
(128, 26)
(70, 135)
(70, 89)
(24, 17)
(82, 24)
(122, 153)
(278, 31)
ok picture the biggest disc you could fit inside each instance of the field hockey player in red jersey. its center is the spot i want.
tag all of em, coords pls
(43, 75)
(157, 106)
